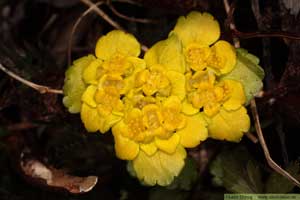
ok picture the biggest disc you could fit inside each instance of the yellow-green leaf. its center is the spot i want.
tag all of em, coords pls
(74, 85)
(229, 125)
(248, 72)
(161, 168)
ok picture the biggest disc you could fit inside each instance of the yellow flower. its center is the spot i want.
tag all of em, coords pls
(109, 77)
(117, 55)
(166, 66)
(151, 124)
(199, 33)
(154, 81)
(100, 109)
(153, 135)
(207, 58)
(204, 92)
(173, 99)
(231, 120)
(159, 82)
(154, 130)
(221, 102)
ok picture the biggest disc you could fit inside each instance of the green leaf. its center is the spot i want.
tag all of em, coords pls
(237, 171)
(74, 85)
(248, 72)
(187, 176)
(276, 183)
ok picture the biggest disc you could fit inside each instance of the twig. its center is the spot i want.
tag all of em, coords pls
(144, 48)
(48, 24)
(269, 78)
(263, 144)
(251, 137)
(133, 19)
(102, 14)
(40, 88)
(261, 139)
(76, 25)
(281, 34)
(228, 10)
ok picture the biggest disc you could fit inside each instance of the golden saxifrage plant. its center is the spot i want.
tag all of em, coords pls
(186, 88)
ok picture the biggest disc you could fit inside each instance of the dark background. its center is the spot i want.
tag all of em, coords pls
(34, 37)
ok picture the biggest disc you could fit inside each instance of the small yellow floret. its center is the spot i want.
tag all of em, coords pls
(197, 56)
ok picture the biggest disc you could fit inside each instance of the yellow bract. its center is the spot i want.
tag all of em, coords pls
(91, 73)
(167, 53)
(117, 43)
(197, 27)
(229, 125)
(195, 131)
(160, 168)
(74, 85)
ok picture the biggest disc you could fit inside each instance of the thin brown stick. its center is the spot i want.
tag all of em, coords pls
(263, 144)
(40, 88)
(75, 27)
(144, 48)
(49, 23)
(231, 24)
(251, 137)
(133, 19)
(102, 14)
(261, 139)
(245, 35)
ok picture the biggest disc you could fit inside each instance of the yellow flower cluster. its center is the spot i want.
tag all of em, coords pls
(172, 99)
